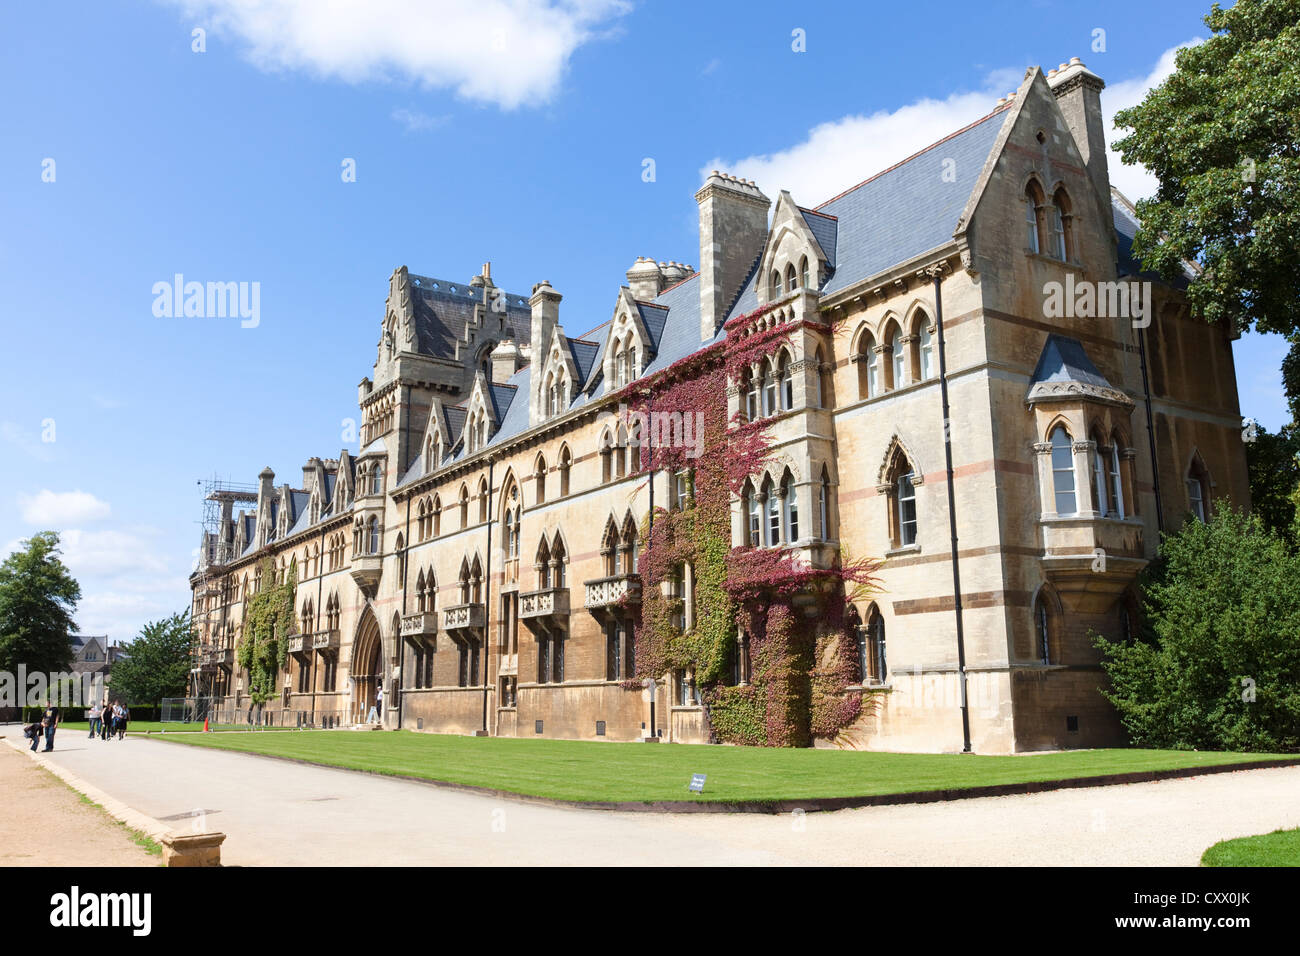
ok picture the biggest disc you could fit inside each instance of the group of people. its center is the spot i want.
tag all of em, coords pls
(106, 719)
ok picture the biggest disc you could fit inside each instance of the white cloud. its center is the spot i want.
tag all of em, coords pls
(57, 510)
(507, 52)
(1133, 181)
(417, 122)
(23, 440)
(113, 554)
(843, 152)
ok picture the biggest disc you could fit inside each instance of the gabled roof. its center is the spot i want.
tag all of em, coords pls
(443, 310)
(909, 208)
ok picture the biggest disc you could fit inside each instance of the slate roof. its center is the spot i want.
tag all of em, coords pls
(1126, 227)
(1063, 359)
(825, 229)
(908, 209)
(443, 310)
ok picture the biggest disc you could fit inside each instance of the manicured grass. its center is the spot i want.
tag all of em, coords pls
(580, 770)
(1279, 848)
(140, 839)
(154, 727)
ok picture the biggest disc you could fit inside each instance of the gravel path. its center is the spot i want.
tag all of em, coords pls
(275, 812)
(46, 824)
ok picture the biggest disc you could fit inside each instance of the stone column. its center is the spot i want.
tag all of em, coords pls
(1046, 487)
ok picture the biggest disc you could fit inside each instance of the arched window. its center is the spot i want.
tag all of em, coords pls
(476, 582)
(435, 516)
(628, 544)
(430, 462)
(566, 461)
(753, 517)
(770, 397)
(898, 359)
(1042, 634)
(790, 507)
(464, 581)
(542, 564)
(539, 479)
(373, 538)
(1100, 476)
(620, 456)
(803, 273)
(749, 385)
(1061, 232)
(776, 285)
(512, 526)
(925, 347)
(400, 551)
(786, 377)
(419, 592)
(1063, 471)
(606, 458)
(868, 368)
(872, 648)
(1033, 231)
(558, 558)
(610, 550)
(482, 500)
(773, 509)
(824, 505)
(634, 447)
(1198, 489)
(791, 278)
(464, 507)
(902, 500)
(1116, 479)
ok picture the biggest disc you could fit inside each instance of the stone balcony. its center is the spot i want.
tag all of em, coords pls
(611, 592)
(299, 644)
(325, 640)
(548, 602)
(462, 617)
(366, 570)
(1091, 560)
(224, 657)
(420, 624)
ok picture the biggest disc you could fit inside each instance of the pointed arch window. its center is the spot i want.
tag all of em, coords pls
(803, 273)
(1042, 631)
(790, 509)
(753, 518)
(482, 500)
(791, 278)
(1116, 479)
(868, 368)
(785, 375)
(1061, 231)
(628, 545)
(1100, 478)
(542, 564)
(1063, 471)
(606, 459)
(464, 507)
(824, 505)
(773, 510)
(750, 386)
(566, 461)
(372, 538)
(435, 517)
(898, 358)
(925, 347)
(1198, 490)
(539, 479)
(901, 488)
(1033, 202)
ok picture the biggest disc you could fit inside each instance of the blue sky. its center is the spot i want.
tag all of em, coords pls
(511, 132)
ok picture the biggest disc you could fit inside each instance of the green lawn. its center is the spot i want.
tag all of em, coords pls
(153, 727)
(1279, 848)
(588, 771)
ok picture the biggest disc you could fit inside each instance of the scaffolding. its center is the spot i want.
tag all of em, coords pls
(216, 549)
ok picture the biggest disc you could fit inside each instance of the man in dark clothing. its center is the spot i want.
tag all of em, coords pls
(51, 719)
(33, 732)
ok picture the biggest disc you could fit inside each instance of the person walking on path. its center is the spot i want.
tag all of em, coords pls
(124, 716)
(51, 720)
(106, 719)
(96, 716)
(379, 703)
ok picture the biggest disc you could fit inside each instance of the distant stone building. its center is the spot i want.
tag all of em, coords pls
(94, 654)
(480, 557)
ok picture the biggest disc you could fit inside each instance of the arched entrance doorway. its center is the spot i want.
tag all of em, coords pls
(367, 669)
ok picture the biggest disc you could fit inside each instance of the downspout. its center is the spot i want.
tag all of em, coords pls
(320, 589)
(1151, 434)
(952, 510)
(406, 550)
(487, 601)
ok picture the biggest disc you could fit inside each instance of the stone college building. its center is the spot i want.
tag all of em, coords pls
(487, 558)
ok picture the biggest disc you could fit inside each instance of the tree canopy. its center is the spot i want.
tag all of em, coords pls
(38, 597)
(156, 663)
(1217, 663)
(1222, 134)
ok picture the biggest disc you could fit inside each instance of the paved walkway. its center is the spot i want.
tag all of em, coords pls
(275, 812)
(46, 824)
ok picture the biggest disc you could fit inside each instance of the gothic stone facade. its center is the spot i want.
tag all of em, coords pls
(478, 556)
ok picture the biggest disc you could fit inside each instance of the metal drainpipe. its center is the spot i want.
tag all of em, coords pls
(320, 592)
(487, 600)
(401, 645)
(1151, 435)
(952, 511)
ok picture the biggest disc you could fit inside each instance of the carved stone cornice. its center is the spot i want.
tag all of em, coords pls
(1048, 392)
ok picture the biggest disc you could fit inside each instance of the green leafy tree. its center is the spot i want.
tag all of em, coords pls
(1274, 463)
(1217, 665)
(38, 597)
(1222, 134)
(157, 662)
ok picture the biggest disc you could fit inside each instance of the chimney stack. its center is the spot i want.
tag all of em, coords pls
(733, 228)
(644, 279)
(1078, 93)
(545, 303)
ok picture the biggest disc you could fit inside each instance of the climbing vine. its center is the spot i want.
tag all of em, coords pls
(263, 650)
(801, 655)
